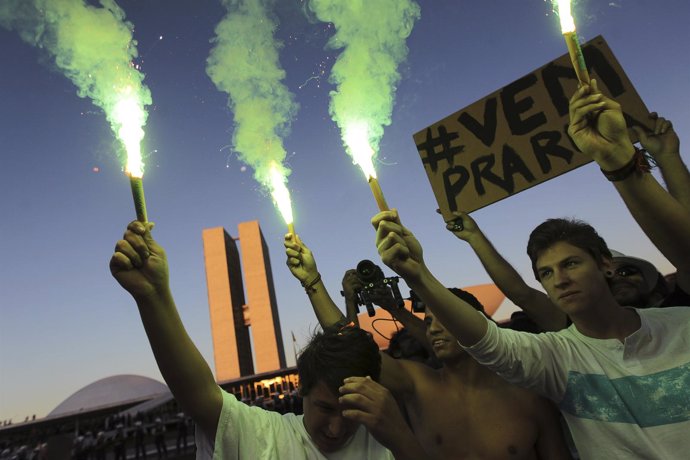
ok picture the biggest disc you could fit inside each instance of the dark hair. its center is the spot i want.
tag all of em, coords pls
(572, 231)
(469, 298)
(332, 356)
(404, 345)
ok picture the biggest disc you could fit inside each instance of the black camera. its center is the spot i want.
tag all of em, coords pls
(376, 287)
(417, 305)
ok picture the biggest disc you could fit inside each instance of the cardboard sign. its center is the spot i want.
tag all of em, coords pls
(517, 137)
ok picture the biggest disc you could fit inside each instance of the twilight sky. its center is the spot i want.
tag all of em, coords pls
(65, 322)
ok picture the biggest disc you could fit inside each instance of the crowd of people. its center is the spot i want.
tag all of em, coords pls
(140, 435)
(607, 377)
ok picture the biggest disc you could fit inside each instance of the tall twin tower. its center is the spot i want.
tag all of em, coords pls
(236, 305)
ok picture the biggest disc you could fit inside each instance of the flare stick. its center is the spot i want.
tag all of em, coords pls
(576, 57)
(378, 194)
(138, 195)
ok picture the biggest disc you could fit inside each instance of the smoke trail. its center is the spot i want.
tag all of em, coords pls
(372, 34)
(94, 48)
(244, 63)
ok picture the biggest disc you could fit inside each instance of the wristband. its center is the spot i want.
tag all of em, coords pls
(309, 287)
(340, 327)
(637, 164)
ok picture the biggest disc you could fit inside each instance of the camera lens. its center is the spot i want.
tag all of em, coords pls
(366, 270)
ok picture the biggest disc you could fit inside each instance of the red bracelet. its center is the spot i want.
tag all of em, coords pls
(637, 164)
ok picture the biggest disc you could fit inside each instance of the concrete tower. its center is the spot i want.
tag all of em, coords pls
(232, 312)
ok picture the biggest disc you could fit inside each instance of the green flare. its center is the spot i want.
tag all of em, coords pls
(372, 34)
(92, 46)
(244, 63)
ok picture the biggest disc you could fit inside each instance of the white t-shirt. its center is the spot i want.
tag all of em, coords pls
(252, 433)
(620, 400)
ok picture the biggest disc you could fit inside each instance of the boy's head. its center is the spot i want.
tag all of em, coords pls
(332, 356)
(574, 232)
(325, 362)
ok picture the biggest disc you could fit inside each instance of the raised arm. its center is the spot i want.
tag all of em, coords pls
(139, 264)
(302, 265)
(664, 146)
(604, 137)
(351, 283)
(401, 251)
(534, 302)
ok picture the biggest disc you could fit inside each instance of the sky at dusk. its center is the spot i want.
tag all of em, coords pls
(65, 201)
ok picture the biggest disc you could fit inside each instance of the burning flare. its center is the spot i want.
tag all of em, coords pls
(129, 118)
(281, 195)
(357, 141)
(565, 15)
(358, 145)
(94, 47)
(571, 40)
(244, 63)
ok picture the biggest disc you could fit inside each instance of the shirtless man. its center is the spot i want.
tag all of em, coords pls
(461, 410)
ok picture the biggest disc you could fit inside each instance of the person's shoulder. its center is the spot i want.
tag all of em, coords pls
(677, 297)
(420, 374)
(665, 313)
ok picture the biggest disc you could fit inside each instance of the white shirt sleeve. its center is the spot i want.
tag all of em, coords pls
(538, 362)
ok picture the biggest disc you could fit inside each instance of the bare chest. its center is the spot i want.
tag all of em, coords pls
(456, 423)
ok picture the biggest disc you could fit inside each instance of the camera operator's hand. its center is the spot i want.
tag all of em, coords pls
(300, 260)
(397, 246)
(351, 284)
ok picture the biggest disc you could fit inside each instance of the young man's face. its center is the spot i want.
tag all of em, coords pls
(572, 278)
(323, 419)
(444, 344)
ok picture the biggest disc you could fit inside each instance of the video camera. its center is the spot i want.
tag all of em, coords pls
(374, 283)
(417, 305)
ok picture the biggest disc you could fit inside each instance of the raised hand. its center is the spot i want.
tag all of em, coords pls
(662, 141)
(397, 246)
(300, 260)
(139, 264)
(463, 226)
(597, 127)
(371, 404)
(351, 283)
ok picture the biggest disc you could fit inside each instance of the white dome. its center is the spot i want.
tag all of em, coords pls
(110, 391)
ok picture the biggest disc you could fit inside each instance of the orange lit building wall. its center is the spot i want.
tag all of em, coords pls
(232, 352)
(269, 354)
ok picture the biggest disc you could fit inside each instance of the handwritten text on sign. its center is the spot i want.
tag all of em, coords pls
(517, 137)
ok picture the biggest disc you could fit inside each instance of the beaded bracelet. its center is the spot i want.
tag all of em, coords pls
(638, 163)
(309, 287)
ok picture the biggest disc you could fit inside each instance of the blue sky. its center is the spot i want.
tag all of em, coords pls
(64, 322)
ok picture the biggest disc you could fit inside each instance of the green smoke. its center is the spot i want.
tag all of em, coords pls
(92, 46)
(244, 63)
(372, 34)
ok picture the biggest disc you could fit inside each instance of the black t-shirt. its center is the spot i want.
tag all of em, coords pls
(676, 298)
